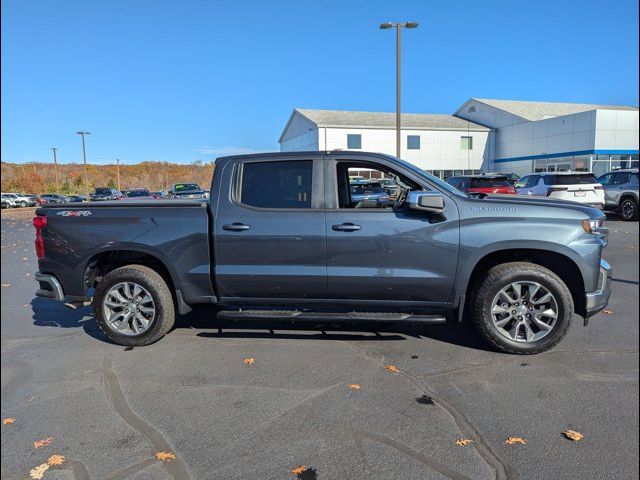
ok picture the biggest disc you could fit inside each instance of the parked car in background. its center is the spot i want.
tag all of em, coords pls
(139, 194)
(482, 185)
(581, 187)
(621, 192)
(52, 198)
(368, 194)
(390, 186)
(187, 190)
(511, 177)
(160, 194)
(78, 198)
(103, 193)
(20, 200)
(8, 202)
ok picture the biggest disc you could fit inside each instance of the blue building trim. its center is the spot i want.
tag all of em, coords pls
(568, 154)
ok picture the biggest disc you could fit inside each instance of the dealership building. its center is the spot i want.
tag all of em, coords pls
(482, 135)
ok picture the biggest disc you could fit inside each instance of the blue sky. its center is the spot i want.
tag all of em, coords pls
(187, 80)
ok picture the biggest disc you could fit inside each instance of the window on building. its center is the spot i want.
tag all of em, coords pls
(354, 141)
(413, 142)
(466, 143)
(277, 184)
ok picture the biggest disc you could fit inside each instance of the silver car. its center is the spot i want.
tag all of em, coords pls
(621, 192)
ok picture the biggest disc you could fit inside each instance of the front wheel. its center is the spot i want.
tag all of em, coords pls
(522, 308)
(629, 209)
(133, 306)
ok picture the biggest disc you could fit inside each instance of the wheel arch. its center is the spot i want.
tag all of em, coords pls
(560, 264)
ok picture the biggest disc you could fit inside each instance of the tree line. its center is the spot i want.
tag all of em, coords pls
(39, 178)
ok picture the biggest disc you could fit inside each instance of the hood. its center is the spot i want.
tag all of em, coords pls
(528, 201)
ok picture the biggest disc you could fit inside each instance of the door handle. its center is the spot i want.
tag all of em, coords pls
(236, 227)
(346, 227)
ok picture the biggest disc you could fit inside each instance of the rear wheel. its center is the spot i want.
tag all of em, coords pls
(629, 209)
(134, 306)
(522, 308)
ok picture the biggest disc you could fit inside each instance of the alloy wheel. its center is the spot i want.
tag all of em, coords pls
(128, 308)
(524, 311)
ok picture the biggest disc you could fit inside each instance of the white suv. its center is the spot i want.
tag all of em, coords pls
(581, 187)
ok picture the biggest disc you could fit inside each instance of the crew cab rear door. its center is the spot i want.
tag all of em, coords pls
(269, 230)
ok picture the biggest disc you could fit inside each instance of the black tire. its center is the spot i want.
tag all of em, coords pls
(503, 275)
(629, 209)
(24, 204)
(153, 282)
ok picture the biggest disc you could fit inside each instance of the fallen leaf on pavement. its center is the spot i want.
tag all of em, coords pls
(43, 443)
(392, 368)
(165, 456)
(573, 435)
(55, 460)
(5, 285)
(38, 472)
(514, 440)
(298, 470)
(463, 442)
(608, 312)
(249, 361)
(354, 386)
(7, 421)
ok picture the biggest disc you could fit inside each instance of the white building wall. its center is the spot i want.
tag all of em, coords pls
(616, 130)
(439, 149)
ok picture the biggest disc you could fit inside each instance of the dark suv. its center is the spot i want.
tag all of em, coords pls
(100, 194)
(621, 192)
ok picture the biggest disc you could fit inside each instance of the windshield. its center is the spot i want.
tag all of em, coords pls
(490, 182)
(138, 193)
(185, 187)
(573, 179)
(366, 188)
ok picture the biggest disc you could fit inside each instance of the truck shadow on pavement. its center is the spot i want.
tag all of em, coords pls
(53, 314)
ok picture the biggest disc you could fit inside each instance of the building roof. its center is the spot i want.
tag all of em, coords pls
(415, 121)
(538, 110)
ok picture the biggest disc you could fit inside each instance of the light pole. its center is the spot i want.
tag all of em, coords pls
(398, 27)
(55, 168)
(84, 158)
(118, 172)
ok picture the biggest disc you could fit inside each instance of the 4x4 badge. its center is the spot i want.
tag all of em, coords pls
(74, 213)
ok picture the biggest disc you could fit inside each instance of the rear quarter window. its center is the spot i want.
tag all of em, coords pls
(489, 182)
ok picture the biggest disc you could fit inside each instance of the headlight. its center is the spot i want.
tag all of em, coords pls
(593, 226)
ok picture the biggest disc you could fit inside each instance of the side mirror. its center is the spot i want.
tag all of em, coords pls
(426, 201)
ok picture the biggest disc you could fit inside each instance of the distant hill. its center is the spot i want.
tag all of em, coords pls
(40, 178)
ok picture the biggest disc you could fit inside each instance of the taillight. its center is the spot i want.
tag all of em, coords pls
(39, 222)
(556, 189)
(599, 187)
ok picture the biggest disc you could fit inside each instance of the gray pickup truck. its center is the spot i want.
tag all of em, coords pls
(281, 237)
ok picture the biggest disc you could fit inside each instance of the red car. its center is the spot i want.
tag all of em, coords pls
(482, 184)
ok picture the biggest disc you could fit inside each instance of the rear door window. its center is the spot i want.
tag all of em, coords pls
(285, 184)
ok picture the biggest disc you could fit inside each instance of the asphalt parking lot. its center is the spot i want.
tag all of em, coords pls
(108, 409)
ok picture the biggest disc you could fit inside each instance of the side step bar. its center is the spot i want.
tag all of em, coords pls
(302, 316)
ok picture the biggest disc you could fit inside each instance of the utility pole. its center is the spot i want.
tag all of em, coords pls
(118, 172)
(84, 158)
(398, 27)
(55, 168)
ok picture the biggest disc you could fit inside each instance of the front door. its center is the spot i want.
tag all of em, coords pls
(380, 252)
(269, 232)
